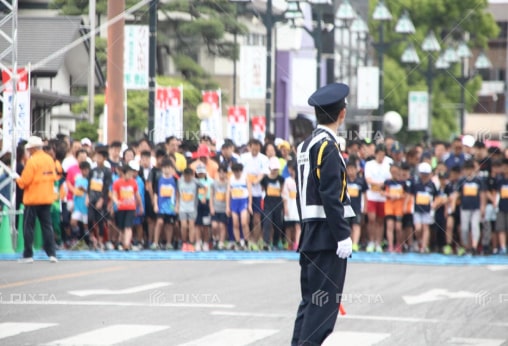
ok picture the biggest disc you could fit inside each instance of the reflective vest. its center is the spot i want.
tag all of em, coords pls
(308, 186)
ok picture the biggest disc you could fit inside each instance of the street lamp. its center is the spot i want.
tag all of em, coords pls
(346, 14)
(404, 26)
(482, 63)
(430, 45)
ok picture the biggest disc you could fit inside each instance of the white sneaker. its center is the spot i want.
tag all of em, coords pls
(53, 259)
(109, 246)
(198, 247)
(26, 260)
(206, 247)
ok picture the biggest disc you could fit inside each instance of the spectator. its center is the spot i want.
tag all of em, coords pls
(457, 156)
(37, 180)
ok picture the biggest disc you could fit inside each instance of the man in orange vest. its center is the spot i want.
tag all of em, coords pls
(37, 180)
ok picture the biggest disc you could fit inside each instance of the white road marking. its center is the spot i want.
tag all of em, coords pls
(392, 319)
(354, 338)
(475, 342)
(237, 337)
(8, 329)
(110, 335)
(123, 304)
(248, 314)
(136, 289)
(496, 268)
(436, 295)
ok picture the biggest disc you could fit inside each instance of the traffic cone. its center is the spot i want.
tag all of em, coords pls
(5, 234)
(37, 235)
(342, 310)
(20, 244)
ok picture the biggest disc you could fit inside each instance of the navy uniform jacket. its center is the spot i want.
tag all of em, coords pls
(327, 188)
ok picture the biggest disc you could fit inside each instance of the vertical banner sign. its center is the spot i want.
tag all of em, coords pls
(368, 87)
(136, 38)
(238, 124)
(21, 128)
(213, 125)
(418, 111)
(168, 119)
(252, 72)
(259, 127)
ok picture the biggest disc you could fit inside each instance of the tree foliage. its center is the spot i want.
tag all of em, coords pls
(451, 21)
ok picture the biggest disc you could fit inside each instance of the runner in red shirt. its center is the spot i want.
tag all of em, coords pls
(126, 197)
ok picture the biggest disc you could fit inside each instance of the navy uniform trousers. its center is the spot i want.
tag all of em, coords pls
(322, 280)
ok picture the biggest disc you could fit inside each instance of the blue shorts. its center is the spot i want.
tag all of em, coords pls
(239, 205)
(220, 218)
(256, 205)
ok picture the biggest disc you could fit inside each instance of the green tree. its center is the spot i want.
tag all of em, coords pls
(449, 20)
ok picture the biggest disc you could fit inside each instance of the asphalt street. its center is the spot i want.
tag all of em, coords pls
(245, 302)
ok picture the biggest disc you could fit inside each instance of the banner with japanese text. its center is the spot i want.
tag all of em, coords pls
(136, 41)
(19, 129)
(238, 124)
(259, 127)
(168, 120)
(212, 126)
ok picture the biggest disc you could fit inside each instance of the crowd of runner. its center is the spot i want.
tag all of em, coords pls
(449, 197)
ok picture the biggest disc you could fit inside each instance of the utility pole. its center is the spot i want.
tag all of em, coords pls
(91, 76)
(152, 55)
(115, 74)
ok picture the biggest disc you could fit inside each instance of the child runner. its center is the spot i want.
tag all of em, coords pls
(473, 200)
(203, 219)
(273, 210)
(218, 192)
(424, 192)
(239, 204)
(165, 204)
(188, 201)
(126, 197)
(291, 217)
(79, 217)
(356, 187)
(394, 190)
(99, 183)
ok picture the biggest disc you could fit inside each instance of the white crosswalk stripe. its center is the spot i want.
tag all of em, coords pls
(8, 329)
(475, 342)
(237, 337)
(110, 335)
(354, 338)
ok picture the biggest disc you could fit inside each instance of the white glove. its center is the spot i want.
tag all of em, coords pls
(345, 248)
(14, 175)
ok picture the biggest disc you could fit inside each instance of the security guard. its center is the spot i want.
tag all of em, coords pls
(323, 203)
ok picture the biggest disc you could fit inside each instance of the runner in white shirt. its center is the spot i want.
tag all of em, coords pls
(255, 166)
(377, 171)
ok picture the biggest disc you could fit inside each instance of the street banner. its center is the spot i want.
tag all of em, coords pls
(19, 129)
(238, 124)
(212, 126)
(259, 127)
(168, 119)
(252, 72)
(136, 42)
(368, 87)
(418, 110)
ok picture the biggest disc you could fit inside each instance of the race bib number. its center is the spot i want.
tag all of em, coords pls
(237, 193)
(422, 198)
(252, 178)
(470, 190)
(504, 192)
(220, 196)
(187, 197)
(353, 191)
(126, 194)
(96, 185)
(273, 191)
(167, 191)
(292, 194)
